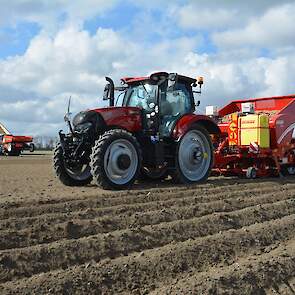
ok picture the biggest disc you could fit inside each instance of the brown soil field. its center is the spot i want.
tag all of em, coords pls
(226, 236)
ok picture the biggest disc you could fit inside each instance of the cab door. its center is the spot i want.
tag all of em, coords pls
(145, 97)
(173, 105)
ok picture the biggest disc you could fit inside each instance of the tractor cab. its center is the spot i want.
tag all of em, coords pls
(163, 99)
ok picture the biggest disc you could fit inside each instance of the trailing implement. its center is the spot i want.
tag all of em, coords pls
(257, 137)
(151, 131)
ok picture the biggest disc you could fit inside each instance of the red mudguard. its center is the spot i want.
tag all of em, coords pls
(187, 121)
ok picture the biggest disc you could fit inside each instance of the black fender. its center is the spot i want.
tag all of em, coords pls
(93, 117)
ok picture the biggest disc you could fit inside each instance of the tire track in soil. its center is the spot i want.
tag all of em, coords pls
(227, 236)
(129, 199)
(144, 273)
(286, 285)
(63, 254)
(270, 273)
(223, 186)
(75, 228)
(151, 202)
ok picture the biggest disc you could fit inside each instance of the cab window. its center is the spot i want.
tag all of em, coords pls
(177, 102)
(141, 96)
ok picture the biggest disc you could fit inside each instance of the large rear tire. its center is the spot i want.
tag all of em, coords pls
(70, 176)
(116, 160)
(194, 156)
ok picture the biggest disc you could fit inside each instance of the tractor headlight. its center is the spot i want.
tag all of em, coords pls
(83, 127)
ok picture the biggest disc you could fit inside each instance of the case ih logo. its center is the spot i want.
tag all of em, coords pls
(285, 133)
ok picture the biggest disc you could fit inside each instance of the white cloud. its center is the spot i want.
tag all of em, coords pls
(274, 29)
(221, 14)
(35, 86)
(72, 61)
(279, 76)
(75, 63)
(192, 17)
(48, 14)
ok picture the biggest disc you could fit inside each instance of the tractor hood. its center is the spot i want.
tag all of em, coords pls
(128, 118)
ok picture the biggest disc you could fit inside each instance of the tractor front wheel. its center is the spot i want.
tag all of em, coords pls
(194, 156)
(116, 160)
(70, 175)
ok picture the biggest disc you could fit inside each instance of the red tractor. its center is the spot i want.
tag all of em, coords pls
(149, 132)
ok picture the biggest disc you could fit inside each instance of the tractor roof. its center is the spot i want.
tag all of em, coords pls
(131, 80)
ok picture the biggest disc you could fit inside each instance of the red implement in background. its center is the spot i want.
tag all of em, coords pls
(13, 145)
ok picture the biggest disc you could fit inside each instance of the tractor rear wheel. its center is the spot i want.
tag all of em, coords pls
(78, 175)
(194, 156)
(116, 160)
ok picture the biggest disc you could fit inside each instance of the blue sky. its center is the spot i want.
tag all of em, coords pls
(50, 50)
(15, 40)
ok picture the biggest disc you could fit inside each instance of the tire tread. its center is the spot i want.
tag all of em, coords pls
(61, 172)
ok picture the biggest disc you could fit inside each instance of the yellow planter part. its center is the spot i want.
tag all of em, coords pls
(255, 128)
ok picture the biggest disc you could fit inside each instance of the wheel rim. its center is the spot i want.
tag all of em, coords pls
(79, 172)
(194, 155)
(118, 168)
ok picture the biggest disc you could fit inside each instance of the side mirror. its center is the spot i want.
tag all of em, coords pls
(107, 92)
